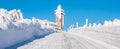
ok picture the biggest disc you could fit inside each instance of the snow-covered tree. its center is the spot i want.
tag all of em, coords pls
(71, 27)
(86, 23)
(90, 25)
(77, 25)
(94, 25)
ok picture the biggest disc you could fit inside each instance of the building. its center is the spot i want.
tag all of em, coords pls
(59, 12)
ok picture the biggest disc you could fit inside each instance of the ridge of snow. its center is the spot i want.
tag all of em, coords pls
(14, 28)
(115, 22)
(10, 16)
(107, 23)
(15, 16)
(107, 34)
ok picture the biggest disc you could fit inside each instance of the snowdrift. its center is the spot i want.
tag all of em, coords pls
(108, 33)
(14, 28)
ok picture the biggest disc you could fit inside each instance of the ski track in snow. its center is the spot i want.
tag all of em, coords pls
(65, 41)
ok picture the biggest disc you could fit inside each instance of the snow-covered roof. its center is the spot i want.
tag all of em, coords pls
(59, 7)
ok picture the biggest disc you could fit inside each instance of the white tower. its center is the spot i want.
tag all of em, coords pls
(59, 12)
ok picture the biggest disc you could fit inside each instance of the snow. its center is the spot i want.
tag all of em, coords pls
(107, 23)
(77, 25)
(59, 7)
(108, 35)
(115, 22)
(79, 38)
(15, 29)
(97, 36)
(59, 11)
(86, 23)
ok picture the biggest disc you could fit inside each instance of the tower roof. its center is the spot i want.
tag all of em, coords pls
(59, 7)
(59, 10)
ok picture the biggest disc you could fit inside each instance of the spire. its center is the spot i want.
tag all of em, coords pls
(59, 10)
(59, 7)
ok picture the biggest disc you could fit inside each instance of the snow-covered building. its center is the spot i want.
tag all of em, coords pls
(59, 12)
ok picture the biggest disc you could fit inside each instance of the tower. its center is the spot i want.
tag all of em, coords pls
(59, 12)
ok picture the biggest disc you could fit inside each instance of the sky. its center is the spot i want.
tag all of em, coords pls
(96, 11)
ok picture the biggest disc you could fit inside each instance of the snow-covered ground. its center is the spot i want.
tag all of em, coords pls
(76, 39)
(109, 35)
(105, 36)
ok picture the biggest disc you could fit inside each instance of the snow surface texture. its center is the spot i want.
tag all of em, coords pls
(14, 28)
(95, 37)
(109, 33)
(72, 40)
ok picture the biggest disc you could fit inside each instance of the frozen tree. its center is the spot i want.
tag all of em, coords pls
(71, 26)
(99, 25)
(90, 25)
(77, 25)
(94, 25)
(86, 23)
